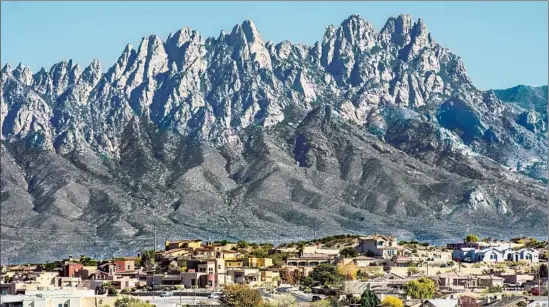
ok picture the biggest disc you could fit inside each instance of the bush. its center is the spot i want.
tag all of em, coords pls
(241, 296)
(349, 252)
(494, 289)
(131, 302)
(392, 301)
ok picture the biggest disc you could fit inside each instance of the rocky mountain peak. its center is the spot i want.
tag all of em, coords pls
(397, 31)
(23, 74)
(356, 29)
(7, 68)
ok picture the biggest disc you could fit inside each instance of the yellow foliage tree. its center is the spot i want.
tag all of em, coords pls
(348, 270)
(392, 301)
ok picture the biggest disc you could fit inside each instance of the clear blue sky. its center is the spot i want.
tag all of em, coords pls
(502, 43)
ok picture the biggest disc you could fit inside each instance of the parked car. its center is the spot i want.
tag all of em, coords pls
(316, 298)
(166, 294)
(214, 296)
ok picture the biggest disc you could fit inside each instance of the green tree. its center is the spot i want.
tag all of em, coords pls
(423, 288)
(326, 275)
(242, 244)
(241, 296)
(300, 247)
(543, 271)
(147, 258)
(369, 299)
(349, 252)
(471, 238)
(392, 301)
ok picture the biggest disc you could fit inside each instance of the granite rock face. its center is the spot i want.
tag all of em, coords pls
(239, 137)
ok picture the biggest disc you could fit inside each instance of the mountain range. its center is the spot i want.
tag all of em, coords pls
(235, 137)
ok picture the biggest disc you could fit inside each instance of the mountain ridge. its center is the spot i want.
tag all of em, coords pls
(223, 136)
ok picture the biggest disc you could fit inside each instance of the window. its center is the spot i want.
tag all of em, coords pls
(128, 267)
(60, 305)
(528, 257)
(492, 256)
(119, 267)
(379, 243)
(219, 267)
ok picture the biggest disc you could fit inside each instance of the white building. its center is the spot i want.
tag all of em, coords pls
(56, 298)
(494, 254)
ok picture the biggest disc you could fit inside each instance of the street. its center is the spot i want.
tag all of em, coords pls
(174, 301)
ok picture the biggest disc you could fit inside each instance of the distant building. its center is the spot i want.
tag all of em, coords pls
(380, 246)
(71, 269)
(493, 254)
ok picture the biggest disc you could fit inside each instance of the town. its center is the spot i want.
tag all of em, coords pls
(342, 270)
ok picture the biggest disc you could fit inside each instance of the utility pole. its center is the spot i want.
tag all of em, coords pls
(539, 282)
(154, 246)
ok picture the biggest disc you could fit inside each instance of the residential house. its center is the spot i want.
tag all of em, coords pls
(380, 246)
(495, 254)
(124, 266)
(309, 260)
(455, 280)
(249, 276)
(354, 287)
(234, 263)
(524, 254)
(206, 252)
(173, 253)
(464, 254)
(227, 254)
(269, 277)
(313, 249)
(486, 281)
(71, 269)
(193, 244)
(517, 278)
(202, 273)
(56, 298)
(253, 262)
(218, 246)
(108, 268)
(64, 282)
(490, 254)
(362, 261)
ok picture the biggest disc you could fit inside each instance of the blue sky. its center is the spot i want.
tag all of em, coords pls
(502, 43)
